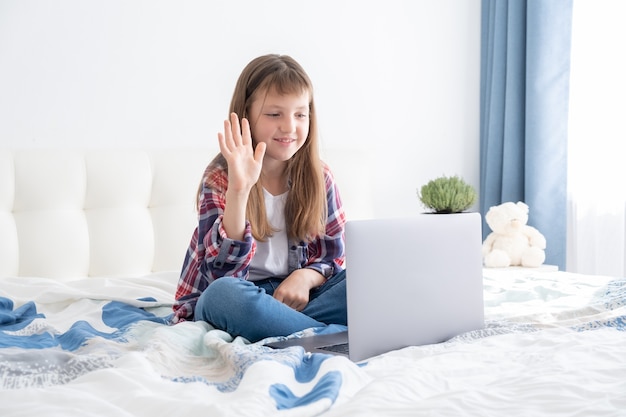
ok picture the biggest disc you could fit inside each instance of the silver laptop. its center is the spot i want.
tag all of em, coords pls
(409, 282)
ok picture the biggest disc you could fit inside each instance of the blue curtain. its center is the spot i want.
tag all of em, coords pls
(525, 63)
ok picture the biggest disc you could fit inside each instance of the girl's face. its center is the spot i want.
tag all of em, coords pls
(281, 122)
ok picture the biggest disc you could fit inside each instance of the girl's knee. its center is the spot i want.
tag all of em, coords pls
(216, 298)
(225, 294)
(222, 288)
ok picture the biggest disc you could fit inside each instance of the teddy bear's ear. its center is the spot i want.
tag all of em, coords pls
(523, 206)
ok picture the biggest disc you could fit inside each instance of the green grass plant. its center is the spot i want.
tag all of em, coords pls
(447, 195)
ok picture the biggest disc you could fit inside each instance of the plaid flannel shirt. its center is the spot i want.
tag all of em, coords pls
(212, 255)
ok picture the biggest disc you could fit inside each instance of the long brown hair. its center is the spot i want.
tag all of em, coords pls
(306, 208)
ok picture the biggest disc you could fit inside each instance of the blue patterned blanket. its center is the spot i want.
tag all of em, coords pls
(105, 347)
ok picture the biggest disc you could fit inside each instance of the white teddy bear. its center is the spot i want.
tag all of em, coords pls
(512, 242)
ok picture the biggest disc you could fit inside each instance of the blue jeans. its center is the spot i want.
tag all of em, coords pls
(245, 308)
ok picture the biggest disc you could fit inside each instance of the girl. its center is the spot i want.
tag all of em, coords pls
(267, 256)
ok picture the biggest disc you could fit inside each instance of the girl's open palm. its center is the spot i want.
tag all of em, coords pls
(244, 162)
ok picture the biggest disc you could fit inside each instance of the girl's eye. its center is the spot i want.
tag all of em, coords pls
(298, 115)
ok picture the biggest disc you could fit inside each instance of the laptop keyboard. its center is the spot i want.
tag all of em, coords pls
(339, 348)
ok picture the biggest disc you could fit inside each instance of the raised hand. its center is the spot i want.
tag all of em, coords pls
(244, 169)
(244, 162)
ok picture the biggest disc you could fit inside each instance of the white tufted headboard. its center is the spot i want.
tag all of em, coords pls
(70, 214)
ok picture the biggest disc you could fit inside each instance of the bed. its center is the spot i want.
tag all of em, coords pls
(91, 244)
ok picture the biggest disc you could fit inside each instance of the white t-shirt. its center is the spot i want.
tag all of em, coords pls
(270, 259)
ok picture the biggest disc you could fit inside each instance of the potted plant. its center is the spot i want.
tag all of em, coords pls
(447, 195)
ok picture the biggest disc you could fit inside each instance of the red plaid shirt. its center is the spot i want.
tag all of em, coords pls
(212, 255)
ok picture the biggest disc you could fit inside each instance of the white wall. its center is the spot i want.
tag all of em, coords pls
(398, 78)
